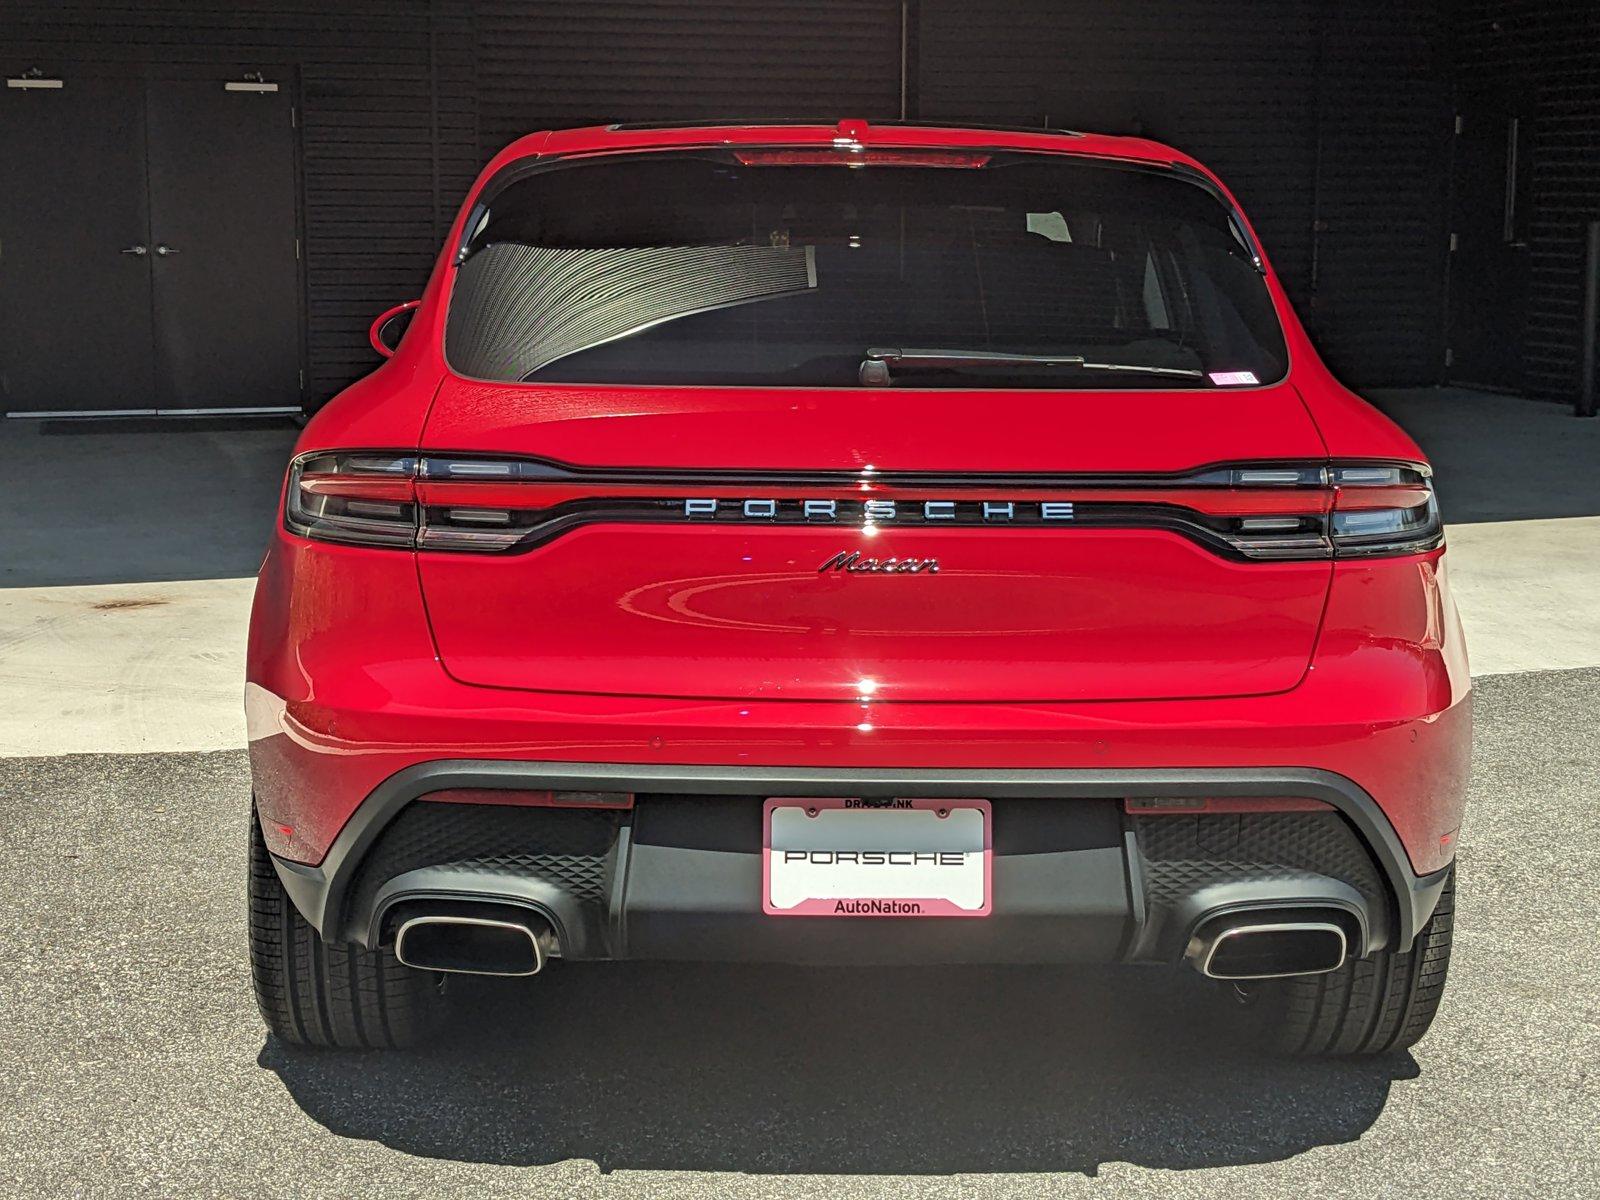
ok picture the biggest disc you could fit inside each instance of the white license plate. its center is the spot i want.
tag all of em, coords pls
(876, 858)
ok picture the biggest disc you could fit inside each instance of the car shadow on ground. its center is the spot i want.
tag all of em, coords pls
(153, 500)
(779, 1070)
(1499, 457)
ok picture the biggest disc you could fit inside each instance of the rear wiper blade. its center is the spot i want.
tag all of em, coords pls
(877, 367)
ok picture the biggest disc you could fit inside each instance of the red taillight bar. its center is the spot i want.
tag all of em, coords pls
(1264, 511)
(360, 487)
(537, 495)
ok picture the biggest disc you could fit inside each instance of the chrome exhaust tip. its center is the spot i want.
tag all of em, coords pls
(469, 945)
(1253, 947)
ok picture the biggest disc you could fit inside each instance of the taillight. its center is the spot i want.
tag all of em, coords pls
(1383, 509)
(365, 498)
(1266, 511)
(1346, 510)
(373, 498)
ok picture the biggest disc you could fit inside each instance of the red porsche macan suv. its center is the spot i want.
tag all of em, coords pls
(857, 543)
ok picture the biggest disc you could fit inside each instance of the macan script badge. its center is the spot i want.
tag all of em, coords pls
(852, 563)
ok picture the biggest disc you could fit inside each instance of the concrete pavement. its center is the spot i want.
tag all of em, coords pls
(123, 667)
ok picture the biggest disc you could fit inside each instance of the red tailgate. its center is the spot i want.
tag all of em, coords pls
(627, 593)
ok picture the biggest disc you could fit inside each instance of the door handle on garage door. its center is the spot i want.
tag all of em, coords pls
(163, 249)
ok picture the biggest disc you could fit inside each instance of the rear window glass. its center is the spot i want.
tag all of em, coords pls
(752, 268)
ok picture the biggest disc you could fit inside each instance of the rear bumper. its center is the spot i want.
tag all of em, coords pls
(346, 693)
(1076, 879)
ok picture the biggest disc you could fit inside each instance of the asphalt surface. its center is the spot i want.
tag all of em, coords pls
(132, 1061)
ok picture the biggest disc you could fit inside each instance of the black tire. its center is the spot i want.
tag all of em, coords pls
(1381, 1004)
(337, 997)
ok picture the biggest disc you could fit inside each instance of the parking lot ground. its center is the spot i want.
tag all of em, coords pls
(132, 1061)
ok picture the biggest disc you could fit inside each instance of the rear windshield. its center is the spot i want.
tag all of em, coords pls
(788, 268)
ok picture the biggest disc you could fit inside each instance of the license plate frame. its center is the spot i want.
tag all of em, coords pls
(867, 826)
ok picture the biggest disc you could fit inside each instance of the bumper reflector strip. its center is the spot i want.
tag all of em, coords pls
(1179, 806)
(524, 798)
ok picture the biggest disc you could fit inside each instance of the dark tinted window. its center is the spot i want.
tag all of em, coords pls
(702, 268)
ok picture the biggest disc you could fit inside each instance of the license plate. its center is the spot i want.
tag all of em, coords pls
(876, 858)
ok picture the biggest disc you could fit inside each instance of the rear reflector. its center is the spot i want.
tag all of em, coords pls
(526, 798)
(1147, 806)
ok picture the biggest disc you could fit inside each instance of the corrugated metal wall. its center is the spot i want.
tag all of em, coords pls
(551, 63)
(1382, 184)
(1550, 52)
(388, 127)
(1330, 120)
